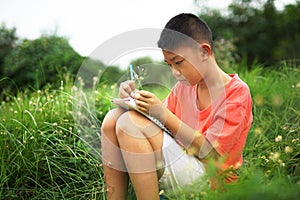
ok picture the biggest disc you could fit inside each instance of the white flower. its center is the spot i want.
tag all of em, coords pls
(278, 138)
(274, 156)
(288, 149)
(161, 192)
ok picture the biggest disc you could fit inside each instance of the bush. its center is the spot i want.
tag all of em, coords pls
(37, 62)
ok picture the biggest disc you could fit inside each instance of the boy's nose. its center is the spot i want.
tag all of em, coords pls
(175, 72)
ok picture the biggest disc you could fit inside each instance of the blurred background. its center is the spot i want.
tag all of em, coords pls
(40, 40)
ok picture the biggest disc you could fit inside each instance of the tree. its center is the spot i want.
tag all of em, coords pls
(40, 61)
(8, 40)
(259, 31)
(111, 75)
(255, 30)
(288, 46)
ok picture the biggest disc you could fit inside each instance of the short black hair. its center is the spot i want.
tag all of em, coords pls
(184, 29)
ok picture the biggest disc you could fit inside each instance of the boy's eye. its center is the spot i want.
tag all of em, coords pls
(178, 62)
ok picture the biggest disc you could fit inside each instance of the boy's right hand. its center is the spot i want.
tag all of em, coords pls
(126, 89)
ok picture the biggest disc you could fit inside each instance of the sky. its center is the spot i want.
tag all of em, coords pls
(88, 24)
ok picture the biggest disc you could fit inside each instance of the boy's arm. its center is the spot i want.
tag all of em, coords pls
(191, 139)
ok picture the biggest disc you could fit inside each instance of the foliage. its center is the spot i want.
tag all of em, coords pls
(226, 55)
(42, 156)
(8, 40)
(37, 62)
(274, 139)
(111, 75)
(289, 40)
(260, 32)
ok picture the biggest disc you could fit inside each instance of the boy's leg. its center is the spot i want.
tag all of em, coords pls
(180, 169)
(116, 177)
(141, 143)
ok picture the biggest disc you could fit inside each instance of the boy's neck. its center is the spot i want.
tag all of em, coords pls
(212, 86)
(214, 78)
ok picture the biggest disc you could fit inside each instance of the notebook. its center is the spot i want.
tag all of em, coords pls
(129, 104)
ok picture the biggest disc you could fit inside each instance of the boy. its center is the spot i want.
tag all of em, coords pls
(208, 112)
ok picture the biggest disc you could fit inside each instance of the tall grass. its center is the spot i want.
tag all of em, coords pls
(43, 154)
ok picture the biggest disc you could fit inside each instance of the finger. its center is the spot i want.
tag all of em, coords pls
(138, 96)
(146, 94)
(125, 87)
(144, 110)
(123, 94)
(131, 85)
(146, 97)
(142, 105)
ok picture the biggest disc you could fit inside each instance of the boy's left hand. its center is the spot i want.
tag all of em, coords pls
(147, 102)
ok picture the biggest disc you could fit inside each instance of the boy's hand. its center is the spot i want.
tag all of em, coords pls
(148, 103)
(126, 89)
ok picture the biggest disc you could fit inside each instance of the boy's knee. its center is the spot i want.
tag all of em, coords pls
(134, 124)
(131, 124)
(110, 119)
(124, 123)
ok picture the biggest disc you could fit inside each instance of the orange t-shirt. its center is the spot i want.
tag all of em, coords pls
(225, 123)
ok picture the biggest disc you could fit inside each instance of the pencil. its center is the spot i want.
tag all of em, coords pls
(131, 73)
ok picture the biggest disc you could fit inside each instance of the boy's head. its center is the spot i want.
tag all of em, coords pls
(185, 30)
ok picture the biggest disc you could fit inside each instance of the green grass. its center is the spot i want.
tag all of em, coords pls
(44, 156)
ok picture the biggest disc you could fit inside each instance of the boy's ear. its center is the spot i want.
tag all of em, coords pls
(205, 50)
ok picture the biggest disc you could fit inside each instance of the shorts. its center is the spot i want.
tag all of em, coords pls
(179, 168)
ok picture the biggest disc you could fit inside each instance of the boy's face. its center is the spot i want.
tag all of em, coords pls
(186, 65)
